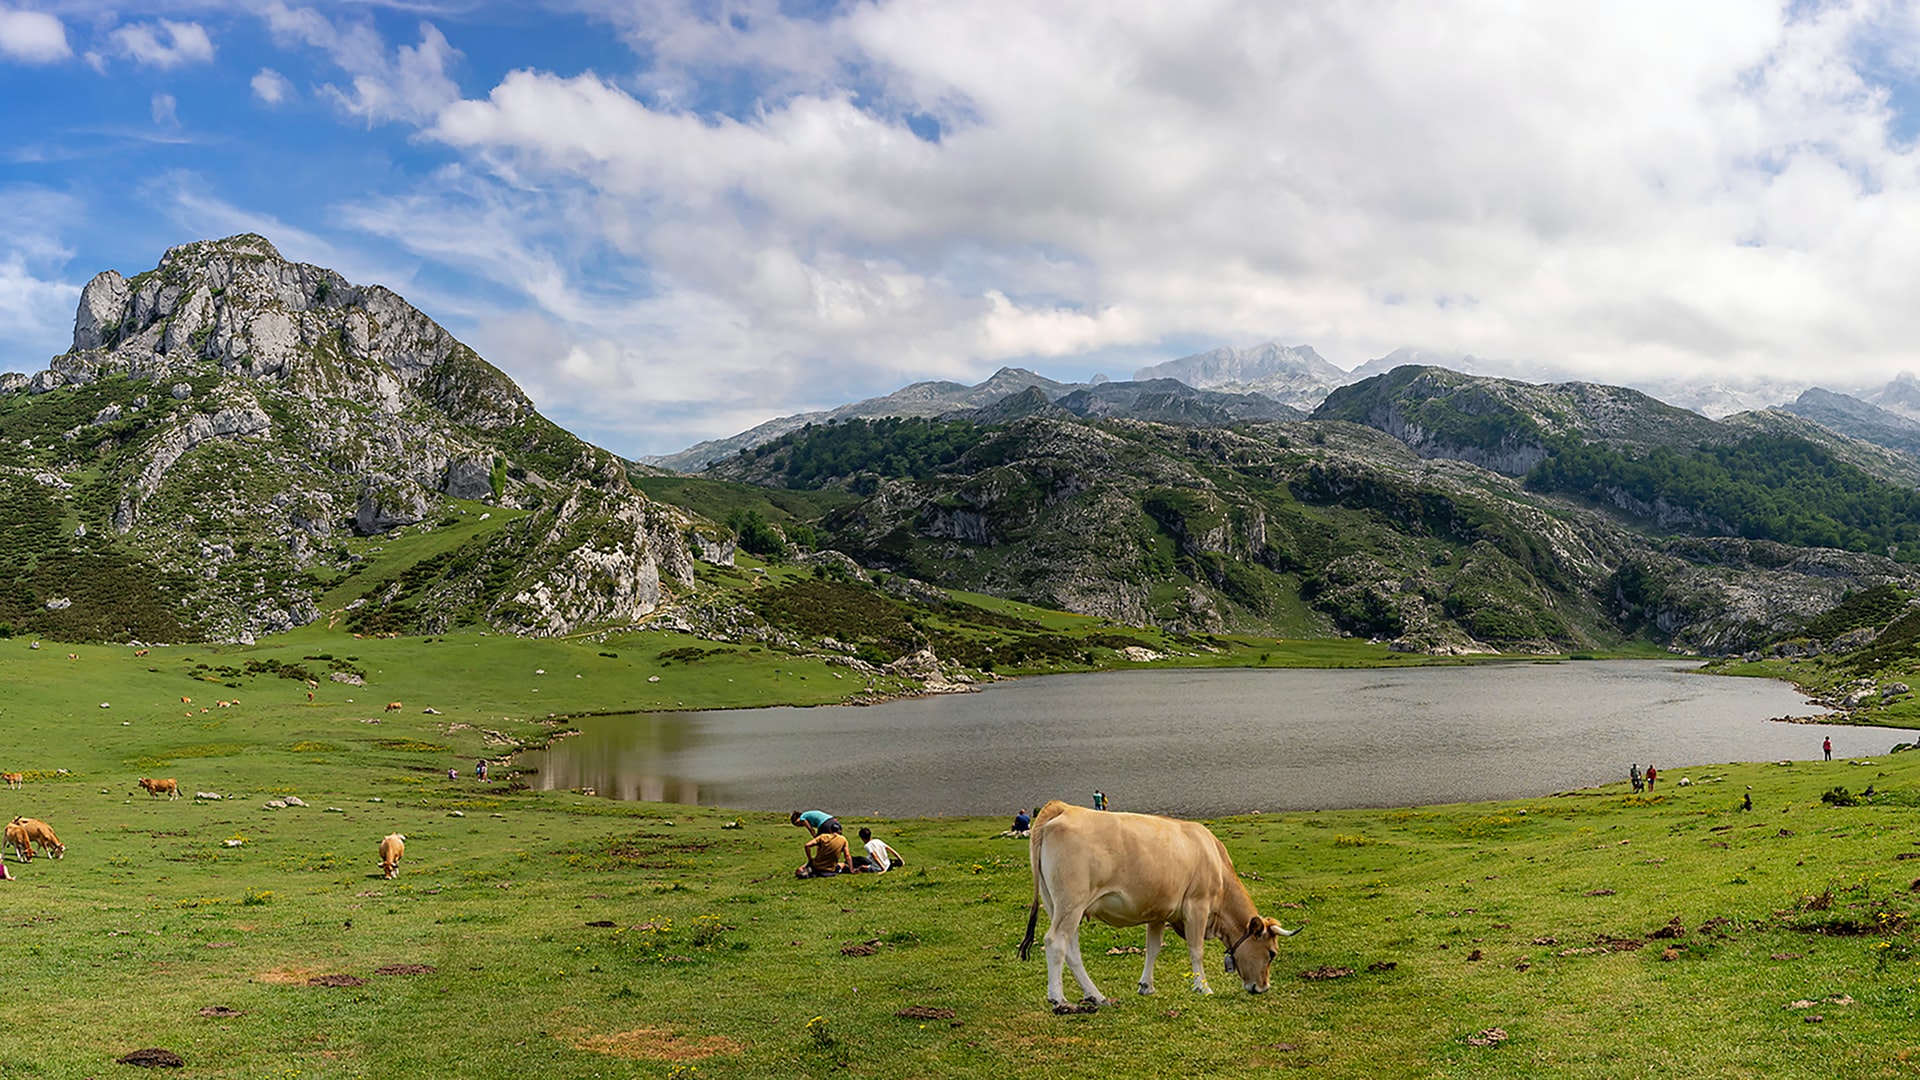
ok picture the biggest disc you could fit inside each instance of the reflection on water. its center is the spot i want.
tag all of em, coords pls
(628, 757)
(1205, 742)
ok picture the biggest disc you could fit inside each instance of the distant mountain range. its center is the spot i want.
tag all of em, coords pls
(1248, 383)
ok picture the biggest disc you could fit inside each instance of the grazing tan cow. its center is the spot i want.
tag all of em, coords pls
(23, 831)
(155, 787)
(392, 847)
(1134, 869)
(393, 706)
(13, 779)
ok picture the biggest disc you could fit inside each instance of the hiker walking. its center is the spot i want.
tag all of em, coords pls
(1633, 773)
(1826, 747)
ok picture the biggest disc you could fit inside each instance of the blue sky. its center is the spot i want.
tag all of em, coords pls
(670, 221)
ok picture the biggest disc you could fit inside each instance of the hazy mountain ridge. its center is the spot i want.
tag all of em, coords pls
(1297, 376)
(1292, 374)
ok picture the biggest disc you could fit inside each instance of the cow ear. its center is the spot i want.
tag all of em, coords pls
(1256, 925)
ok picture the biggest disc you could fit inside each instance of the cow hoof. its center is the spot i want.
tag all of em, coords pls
(1146, 989)
(1202, 988)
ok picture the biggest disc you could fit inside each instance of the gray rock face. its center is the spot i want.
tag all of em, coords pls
(103, 304)
(469, 477)
(387, 503)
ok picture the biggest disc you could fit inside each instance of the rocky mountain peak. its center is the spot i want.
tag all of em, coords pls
(261, 409)
(1293, 374)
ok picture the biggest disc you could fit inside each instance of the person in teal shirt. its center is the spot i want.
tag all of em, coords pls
(815, 821)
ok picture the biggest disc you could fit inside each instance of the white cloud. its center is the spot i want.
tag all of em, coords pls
(166, 111)
(162, 44)
(36, 306)
(271, 87)
(752, 221)
(32, 36)
(405, 84)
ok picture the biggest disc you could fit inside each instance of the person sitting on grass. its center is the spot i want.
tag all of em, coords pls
(826, 855)
(879, 857)
(1022, 821)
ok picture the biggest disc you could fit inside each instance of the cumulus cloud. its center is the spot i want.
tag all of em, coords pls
(36, 306)
(271, 87)
(33, 37)
(783, 210)
(409, 83)
(162, 44)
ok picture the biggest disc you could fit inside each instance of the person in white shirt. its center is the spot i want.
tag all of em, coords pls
(879, 858)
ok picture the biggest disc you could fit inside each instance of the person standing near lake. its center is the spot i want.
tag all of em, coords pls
(1099, 799)
(1826, 747)
(1652, 775)
(1633, 774)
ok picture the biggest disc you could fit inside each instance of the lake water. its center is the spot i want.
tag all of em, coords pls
(1207, 742)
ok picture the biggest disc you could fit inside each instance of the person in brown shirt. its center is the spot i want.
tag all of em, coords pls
(826, 856)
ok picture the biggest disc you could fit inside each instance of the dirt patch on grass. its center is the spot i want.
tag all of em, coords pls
(405, 969)
(1330, 972)
(153, 1057)
(654, 1044)
(925, 1012)
(336, 980)
(220, 1011)
(636, 851)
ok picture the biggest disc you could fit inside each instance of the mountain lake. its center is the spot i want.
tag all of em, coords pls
(1206, 742)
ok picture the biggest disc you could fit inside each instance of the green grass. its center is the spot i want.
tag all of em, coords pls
(1453, 920)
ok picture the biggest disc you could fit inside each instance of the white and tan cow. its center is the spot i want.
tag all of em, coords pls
(1138, 869)
(392, 846)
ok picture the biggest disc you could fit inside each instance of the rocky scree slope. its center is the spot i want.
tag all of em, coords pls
(205, 459)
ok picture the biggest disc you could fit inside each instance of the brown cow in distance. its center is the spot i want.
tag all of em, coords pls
(392, 846)
(23, 831)
(13, 779)
(1134, 869)
(155, 787)
(393, 706)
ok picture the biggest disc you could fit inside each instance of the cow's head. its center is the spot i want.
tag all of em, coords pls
(1252, 956)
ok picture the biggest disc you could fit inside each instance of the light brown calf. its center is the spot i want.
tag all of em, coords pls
(392, 847)
(393, 706)
(13, 779)
(155, 787)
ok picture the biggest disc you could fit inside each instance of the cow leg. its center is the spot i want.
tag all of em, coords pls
(1155, 933)
(1063, 950)
(1197, 950)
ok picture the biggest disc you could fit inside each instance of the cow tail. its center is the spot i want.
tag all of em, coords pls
(1047, 813)
(1033, 909)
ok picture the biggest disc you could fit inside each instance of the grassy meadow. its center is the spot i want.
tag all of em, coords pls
(552, 934)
